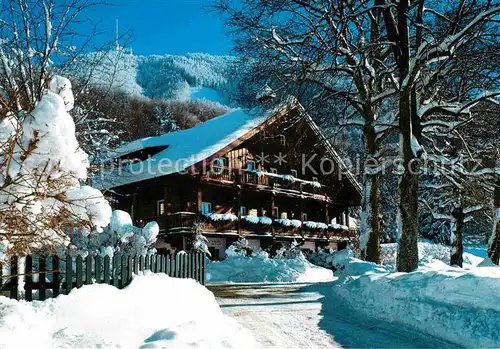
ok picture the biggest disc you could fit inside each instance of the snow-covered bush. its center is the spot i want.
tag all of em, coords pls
(41, 195)
(199, 242)
(321, 257)
(290, 251)
(119, 237)
(241, 248)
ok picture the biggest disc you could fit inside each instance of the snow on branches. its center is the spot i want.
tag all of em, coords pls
(119, 237)
(41, 170)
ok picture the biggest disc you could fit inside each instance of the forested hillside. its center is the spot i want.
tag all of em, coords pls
(122, 97)
(193, 76)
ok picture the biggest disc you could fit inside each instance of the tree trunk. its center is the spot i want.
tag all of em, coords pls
(494, 243)
(408, 187)
(370, 216)
(408, 190)
(370, 224)
(408, 210)
(457, 247)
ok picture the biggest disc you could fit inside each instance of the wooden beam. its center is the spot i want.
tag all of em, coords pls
(327, 213)
(199, 198)
(134, 207)
(238, 206)
(301, 204)
(167, 207)
(273, 205)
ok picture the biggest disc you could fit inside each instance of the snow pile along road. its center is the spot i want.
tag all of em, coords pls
(458, 305)
(429, 251)
(260, 268)
(154, 311)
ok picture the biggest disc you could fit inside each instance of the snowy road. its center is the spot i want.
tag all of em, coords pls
(306, 316)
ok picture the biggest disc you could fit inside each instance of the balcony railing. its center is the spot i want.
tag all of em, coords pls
(221, 173)
(181, 220)
(252, 177)
(188, 220)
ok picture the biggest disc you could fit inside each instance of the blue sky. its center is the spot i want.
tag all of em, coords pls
(164, 26)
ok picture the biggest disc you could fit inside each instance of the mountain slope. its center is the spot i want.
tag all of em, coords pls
(193, 76)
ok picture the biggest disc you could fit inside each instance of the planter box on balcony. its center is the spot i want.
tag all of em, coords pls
(181, 220)
(283, 226)
(314, 228)
(219, 222)
(258, 225)
(338, 230)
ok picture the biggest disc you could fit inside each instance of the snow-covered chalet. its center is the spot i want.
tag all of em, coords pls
(269, 175)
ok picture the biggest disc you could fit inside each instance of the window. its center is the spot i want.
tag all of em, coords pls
(243, 211)
(220, 162)
(284, 215)
(273, 170)
(206, 207)
(315, 179)
(218, 165)
(304, 217)
(251, 165)
(276, 212)
(160, 207)
(294, 173)
(282, 139)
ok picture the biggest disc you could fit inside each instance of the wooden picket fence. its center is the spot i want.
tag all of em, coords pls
(49, 276)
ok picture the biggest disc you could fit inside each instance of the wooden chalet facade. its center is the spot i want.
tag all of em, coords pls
(275, 181)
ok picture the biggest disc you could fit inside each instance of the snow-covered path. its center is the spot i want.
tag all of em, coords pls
(305, 316)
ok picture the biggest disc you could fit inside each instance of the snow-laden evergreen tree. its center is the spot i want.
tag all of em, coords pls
(240, 247)
(164, 117)
(41, 163)
(42, 168)
(198, 242)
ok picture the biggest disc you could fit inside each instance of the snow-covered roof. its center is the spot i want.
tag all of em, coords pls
(183, 148)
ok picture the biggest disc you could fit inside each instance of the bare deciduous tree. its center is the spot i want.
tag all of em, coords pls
(41, 163)
(383, 61)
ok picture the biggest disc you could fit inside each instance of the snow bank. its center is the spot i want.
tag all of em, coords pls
(428, 252)
(260, 268)
(458, 305)
(154, 311)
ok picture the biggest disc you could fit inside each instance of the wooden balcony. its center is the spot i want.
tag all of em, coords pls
(257, 228)
(218, 226)
(181, 220)
(220, 173)
(186, 221)
(265, 181)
